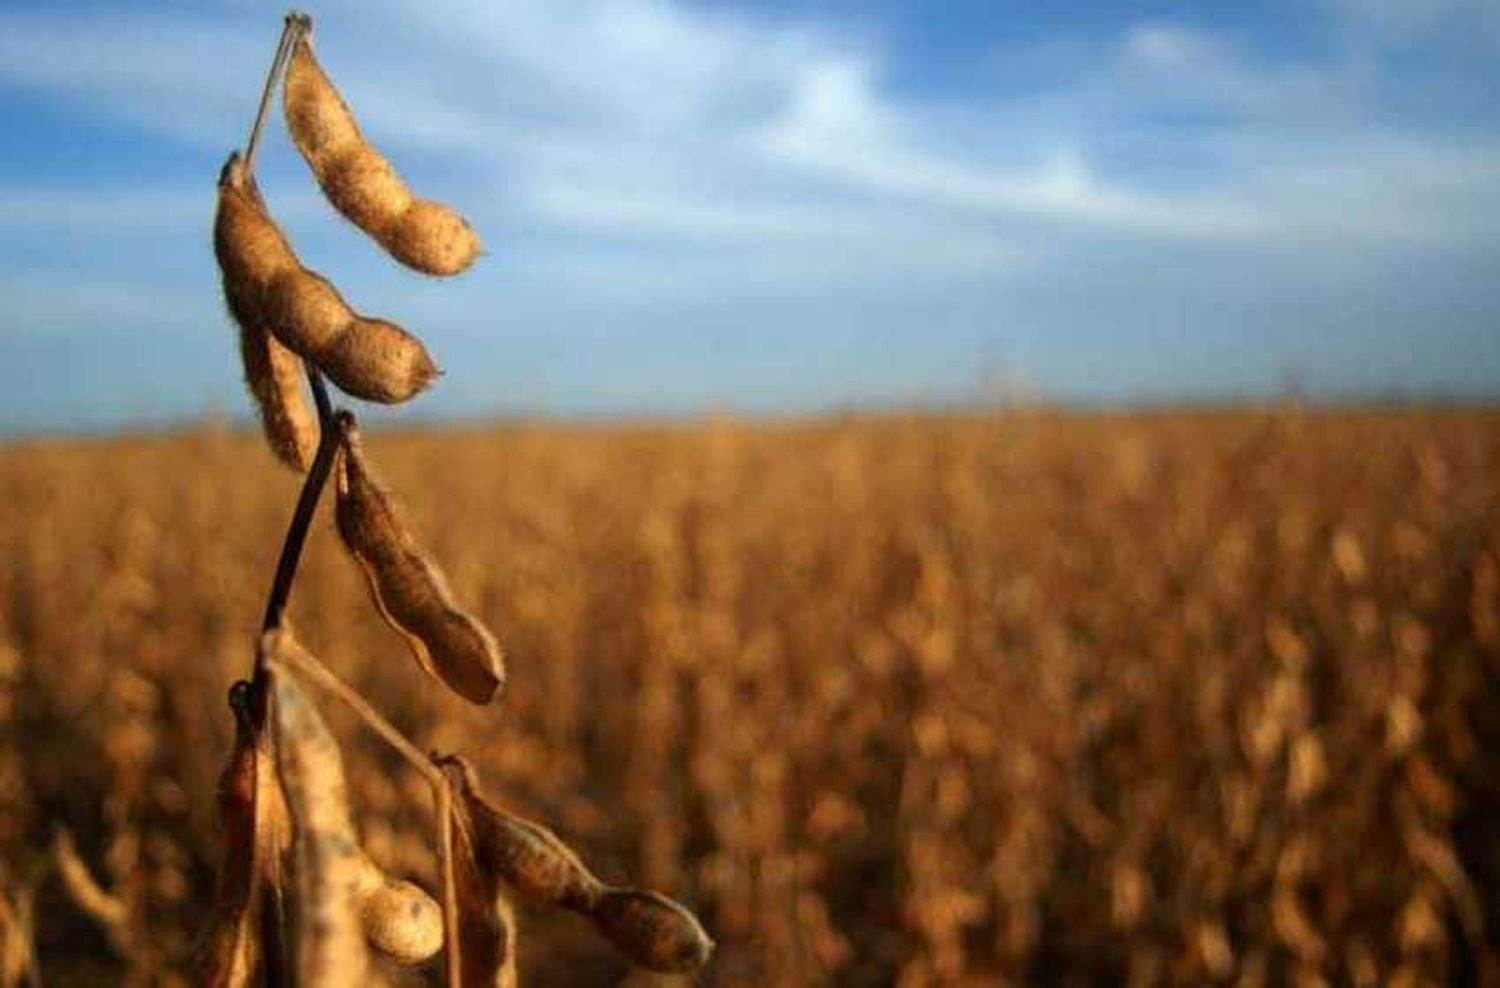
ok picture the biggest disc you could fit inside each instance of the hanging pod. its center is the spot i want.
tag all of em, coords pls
(360, 182)
(268, 289)
(411, 592)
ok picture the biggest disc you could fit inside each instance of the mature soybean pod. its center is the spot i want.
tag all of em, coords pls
(272, 372)
(486, 924)
(411, 592)
(530, 858)
(274, 376)
(267, 287)
(330, 943)
(345, 891)
(227, 956)
(361, 183)
(652, 930)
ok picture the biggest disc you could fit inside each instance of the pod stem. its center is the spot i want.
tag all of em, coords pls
(293, 25)
(309, 666)
(453, 948)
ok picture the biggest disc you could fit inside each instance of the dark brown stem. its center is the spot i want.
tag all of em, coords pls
(291, 27)
(275, 951)
(274, 948)
(307, 503)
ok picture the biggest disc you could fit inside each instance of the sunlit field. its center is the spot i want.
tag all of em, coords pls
(917, 701)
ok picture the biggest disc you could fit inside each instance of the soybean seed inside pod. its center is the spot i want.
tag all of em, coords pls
(360, 181)
(448, 643)
(268, 288)
(652, 930)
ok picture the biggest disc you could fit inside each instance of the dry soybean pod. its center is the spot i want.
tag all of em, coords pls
(331, 943)
(411, 592)
(253, 824)
(272, 372)
(274, 376)
(267, 288)
(352, 899)
(486, 924)
(360, 182)
(652, 930)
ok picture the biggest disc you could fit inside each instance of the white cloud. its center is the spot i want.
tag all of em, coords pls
(661, 153)
(1173, 64)
(636, 105)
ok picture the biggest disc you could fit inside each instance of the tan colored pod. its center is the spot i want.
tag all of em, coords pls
(329, 865)
(272, 372)
(255, 824)
(361, 183)
(411, 592)
(274, 376)
(652, 930)
(486, 923)
(396, 917)
(267, 288)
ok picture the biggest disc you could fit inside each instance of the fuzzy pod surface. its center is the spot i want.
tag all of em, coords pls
(449, 643)
(331, 947)
(267, 288)
(396, 917)
(652, 930)
(274, 376)
(226, 957)
(361, 183)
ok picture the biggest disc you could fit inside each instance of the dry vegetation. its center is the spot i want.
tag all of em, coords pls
(921, 702)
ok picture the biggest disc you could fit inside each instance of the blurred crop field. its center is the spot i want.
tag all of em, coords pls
(919, 701)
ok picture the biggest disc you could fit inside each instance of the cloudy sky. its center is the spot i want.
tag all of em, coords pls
(774, 205)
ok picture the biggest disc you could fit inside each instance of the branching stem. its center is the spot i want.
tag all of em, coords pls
(308, 665)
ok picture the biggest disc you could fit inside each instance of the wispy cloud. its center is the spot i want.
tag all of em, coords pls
(632, 160)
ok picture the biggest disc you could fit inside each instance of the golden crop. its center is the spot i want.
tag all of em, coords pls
(1024, 698)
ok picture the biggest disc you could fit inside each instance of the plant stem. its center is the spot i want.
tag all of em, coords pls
(290, 28)
(453, 948)
(307, 503)
(308, 665)
(275, 955)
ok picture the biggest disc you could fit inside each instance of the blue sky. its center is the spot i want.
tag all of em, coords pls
(781, 206)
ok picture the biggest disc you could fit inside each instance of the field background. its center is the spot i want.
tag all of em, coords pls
(922, 701)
